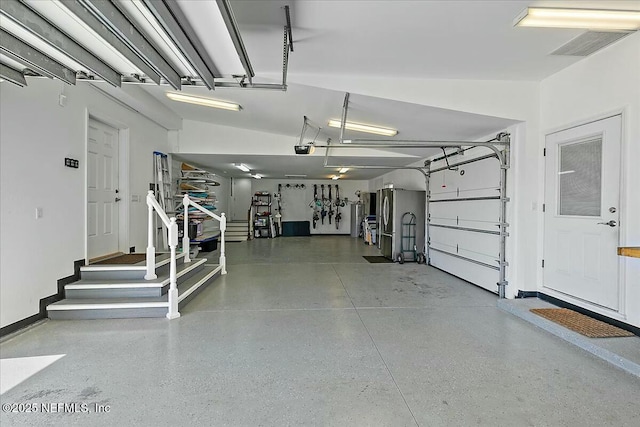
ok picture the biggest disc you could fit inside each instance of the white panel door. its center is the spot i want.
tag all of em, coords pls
(102, 190)
(241, 199)
(582, 193)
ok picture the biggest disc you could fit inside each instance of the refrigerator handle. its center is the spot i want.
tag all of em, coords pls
(385, 211)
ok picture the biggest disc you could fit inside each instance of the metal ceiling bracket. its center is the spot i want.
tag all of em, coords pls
(288, 27)
(176, 25)
(46, 31)
(91, 21)
(26, 54)
(285, 59)
(12, 75)
(232, 27)
(115, 19)
(345, 107)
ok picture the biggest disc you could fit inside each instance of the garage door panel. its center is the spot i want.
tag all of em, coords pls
(479, 247)
(481, 214)
(479, 275)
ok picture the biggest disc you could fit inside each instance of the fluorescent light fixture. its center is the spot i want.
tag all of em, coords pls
(207, 102)
(363, 128)
(242, 167)
(565, 172)
(295, 176)
(590, 19)
(344, 170)
(257, 176)
(335, 177)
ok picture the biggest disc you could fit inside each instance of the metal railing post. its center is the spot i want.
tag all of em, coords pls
(151, 250)
(223, 258)
(186, 241)
(173, 285)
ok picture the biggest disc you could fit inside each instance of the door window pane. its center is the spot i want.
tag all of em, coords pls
(580, 178)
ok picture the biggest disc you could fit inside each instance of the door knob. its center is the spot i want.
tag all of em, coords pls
(611, 223)
(118, 199)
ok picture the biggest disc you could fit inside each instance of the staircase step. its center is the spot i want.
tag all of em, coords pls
(195, 284)
(135, 271)
(235, 234)
(107, 308)
(135, 288)
(120, 308)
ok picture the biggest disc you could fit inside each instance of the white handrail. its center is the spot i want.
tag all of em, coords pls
(186, 202)
(172, 226)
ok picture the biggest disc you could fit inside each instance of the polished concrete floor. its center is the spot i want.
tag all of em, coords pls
(303, 331)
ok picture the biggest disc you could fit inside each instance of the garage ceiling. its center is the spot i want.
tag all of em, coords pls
(472, 40)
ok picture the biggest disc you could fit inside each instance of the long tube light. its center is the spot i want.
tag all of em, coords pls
(377, 130)
(207, 102)
(592, 19)
(242, 167)
(344, 170)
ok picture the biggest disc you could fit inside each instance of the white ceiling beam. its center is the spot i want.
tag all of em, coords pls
(176, 25)
(90, 20)
(31, 21)
(234, 32)
(12, 75)
(111, 16)
(28, 55)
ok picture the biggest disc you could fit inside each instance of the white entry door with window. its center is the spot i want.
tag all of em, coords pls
(581, 220)
(102, 190)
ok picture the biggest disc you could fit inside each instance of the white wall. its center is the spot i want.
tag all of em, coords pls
(36, 135)
(606, 82)
(295, 201)
(200, 137)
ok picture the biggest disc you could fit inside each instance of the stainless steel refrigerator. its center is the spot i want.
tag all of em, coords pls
(393, 204)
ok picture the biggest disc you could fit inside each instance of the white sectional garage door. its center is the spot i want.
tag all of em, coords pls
(464, 221)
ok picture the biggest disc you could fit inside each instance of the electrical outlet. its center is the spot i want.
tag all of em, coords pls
(38, 213)
(135, 198)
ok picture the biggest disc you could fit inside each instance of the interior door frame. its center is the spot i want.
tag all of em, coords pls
(123, 179)
(622, 182)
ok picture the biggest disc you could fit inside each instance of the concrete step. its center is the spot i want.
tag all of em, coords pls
(135, 271)
(242, 228)
(237, 238)
(122, 308)
(134, 288)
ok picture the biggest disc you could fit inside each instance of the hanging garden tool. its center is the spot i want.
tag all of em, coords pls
(330, 203)
(338, 214)
(315, 204)
(323, 212)
(278, 197)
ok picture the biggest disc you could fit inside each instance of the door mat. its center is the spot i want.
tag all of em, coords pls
(580, 323)
(377, 259)
(123, 259)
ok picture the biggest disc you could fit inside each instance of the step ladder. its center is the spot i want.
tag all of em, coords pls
(162, 184)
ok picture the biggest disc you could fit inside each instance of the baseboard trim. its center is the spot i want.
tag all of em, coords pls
(560, 303)
(44, 302)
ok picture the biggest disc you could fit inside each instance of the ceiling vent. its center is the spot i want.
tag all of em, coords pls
(589, 42)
